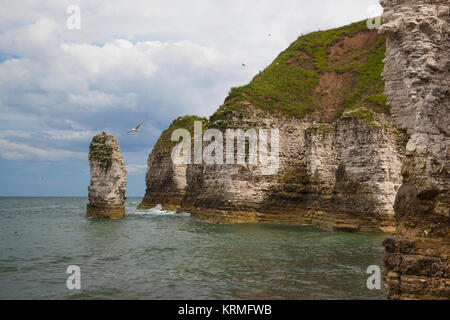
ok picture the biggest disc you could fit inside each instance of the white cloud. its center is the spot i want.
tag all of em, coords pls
(14, 133)
(47, 145)
(20, 151)
(84, 78)
(68, 134)
(136, 60)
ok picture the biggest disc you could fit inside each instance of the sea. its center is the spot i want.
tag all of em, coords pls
(155, 254)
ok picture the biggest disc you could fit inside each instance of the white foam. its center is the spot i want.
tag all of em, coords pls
(158, 211)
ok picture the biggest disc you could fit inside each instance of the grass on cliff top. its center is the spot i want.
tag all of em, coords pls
(164, 143)
(288, 84)
(101, 152)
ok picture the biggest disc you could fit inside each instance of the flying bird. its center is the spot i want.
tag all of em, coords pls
(136, 129)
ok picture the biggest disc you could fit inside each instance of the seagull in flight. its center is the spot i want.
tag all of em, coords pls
(136, 129)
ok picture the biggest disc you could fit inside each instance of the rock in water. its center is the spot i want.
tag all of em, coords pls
(417, 88)
(107, 191)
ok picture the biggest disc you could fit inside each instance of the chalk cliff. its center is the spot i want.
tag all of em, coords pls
(166, 181)
(417, 76)
(339, 175)
(339, 151)
(107, 190)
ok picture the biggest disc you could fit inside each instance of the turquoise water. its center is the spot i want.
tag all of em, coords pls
(159, 255)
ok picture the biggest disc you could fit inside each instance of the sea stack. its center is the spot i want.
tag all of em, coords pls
(417, 88)
(107, 191)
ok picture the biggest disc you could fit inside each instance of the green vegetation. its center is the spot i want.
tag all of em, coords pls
(359, 114)
(321, 128)
(291, 84)
(369, 85)
(401, 138)
(164, 143)
(101, 152)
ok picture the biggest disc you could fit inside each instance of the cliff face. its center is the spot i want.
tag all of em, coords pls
(417, 79)
(107, 191)
(341, 175)
(339, 152)
(166, 181)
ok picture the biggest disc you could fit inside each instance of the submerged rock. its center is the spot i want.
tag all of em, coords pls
(107, 191)
(417, 79)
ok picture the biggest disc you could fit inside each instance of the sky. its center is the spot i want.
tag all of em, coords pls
(128, 62)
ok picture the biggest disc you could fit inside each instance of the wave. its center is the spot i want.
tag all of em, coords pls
(158, 211)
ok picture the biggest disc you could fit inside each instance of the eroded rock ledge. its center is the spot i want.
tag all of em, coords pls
(107, 190)
(417, 75)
